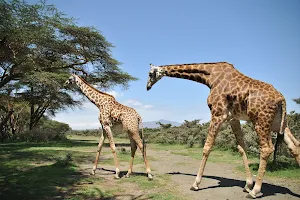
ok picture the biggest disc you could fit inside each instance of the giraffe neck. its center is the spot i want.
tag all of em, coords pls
(95, 96)
(205, 73)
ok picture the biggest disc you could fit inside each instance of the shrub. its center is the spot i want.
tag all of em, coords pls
(47, 130)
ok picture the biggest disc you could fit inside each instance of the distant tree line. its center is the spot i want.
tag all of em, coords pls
(39, 48)
(193, 133)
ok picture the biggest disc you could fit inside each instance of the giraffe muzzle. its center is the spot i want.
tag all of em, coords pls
(67, 83)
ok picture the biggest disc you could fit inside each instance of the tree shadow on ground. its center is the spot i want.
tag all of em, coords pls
(54, 182)
(14, 146)
(36, 183)
(122, 173)
(267, 189)
(27, 174)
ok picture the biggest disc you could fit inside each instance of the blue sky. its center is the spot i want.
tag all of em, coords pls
(261, 39)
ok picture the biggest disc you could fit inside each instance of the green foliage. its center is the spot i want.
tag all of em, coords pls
(39, 48)
(38, 38)
(164, 126)
(297, 100)
(87, 132)
(46, 130)
(193, 133)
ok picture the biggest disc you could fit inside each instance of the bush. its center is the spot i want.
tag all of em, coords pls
(47, 130)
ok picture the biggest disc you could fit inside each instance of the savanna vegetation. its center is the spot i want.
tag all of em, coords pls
(39, 48)
(193, 134)
(41, 158)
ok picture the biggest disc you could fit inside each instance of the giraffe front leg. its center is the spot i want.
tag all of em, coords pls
(113, 149)
(214, 125)
(266, 149)
(101, 140)
(236, 128)
(133, 150)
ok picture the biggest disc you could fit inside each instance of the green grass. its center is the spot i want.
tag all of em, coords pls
(144, 183)
(51, 170)
(41, 170)
(284, 170)
(159, 185)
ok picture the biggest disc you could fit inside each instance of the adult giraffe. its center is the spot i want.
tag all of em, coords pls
(112, 111)
(233, 97)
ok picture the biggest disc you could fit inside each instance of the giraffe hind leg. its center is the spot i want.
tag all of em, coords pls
(139, 143)
(133, 150)
(266, 149)
(236, 128)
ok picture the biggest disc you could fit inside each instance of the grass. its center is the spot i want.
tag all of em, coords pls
(52, 170)
(283, 170)
(48, 170)
(159, 186)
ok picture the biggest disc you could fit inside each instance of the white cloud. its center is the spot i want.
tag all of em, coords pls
(148, 106)
(115, 93)
(137, 104)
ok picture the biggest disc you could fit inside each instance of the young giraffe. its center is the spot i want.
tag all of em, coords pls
(112, 111)
(233, 97)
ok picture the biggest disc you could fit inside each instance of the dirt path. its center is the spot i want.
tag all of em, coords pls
(220, 181)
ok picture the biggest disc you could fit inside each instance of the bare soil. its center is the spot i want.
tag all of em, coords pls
(220, 181)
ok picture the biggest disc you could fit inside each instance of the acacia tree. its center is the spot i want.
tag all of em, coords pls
(40, 47)
(164, 126)
(297, 100)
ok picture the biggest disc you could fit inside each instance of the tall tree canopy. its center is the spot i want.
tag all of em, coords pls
(40, 47)
(297, 100)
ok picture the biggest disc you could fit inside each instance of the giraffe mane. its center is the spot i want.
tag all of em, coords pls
(83, 80)
(210, 63)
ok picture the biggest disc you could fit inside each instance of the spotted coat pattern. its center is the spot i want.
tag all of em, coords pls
(233, 97)
(111, 111)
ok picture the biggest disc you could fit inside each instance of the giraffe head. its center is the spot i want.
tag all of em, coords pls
(155, 74)
(71, 80)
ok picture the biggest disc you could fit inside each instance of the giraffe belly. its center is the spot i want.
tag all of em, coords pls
(238, 114)
(242, 117)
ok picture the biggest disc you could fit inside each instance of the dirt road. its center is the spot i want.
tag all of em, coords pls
(220, 181)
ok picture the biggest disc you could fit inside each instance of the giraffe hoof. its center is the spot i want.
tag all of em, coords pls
(251, 195)
(127, 176)
(246, 189)
(93, 172)
(117, 177)
(150, 177)
(193, 188)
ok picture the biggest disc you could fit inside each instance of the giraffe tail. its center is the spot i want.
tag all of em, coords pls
(142, 137)
(283, 117)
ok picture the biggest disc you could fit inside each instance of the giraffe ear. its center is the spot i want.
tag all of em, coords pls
(151, 66)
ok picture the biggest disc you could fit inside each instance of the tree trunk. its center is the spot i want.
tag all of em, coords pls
(3, 123)
(31, 121)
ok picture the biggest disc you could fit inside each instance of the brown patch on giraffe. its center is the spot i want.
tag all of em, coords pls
(111, 112)
(234, 96)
